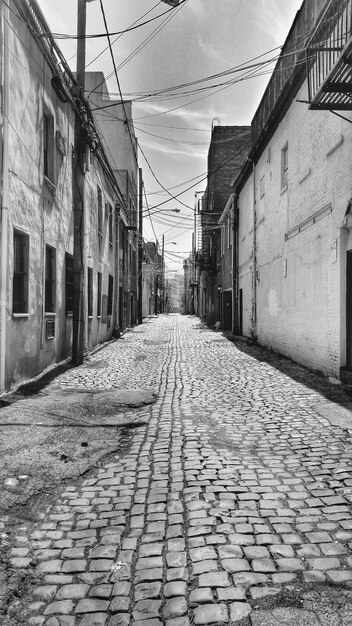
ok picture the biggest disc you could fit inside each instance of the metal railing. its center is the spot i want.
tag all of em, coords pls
(329, 75)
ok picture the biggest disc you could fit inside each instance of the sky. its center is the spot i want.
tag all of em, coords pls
(199, 39)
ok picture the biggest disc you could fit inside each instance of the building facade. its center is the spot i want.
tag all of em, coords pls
(283, 257)
(40, 106)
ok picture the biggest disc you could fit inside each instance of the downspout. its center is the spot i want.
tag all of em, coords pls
(5, 191)
(235, 330)
(254, 295)
(117, 307)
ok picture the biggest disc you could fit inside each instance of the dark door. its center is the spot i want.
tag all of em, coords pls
(227, 309)
(349, 310)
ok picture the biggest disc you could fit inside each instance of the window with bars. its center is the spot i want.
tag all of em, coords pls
(100, 214)
(90, 292)
(100, 278)
(110, 293)
(68, 283)
(50, 279)
(48, 146)
(20, 272)
(110, 224)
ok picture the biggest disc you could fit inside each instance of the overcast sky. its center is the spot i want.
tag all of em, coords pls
(197, 40)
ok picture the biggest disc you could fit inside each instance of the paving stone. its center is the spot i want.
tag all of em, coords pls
(324, 564)
(119, 604)
(75, 591)
(239, 610)
(63, 607)
(94, 619)
(210, 614)
(214, 579)
(201, 596)
(147, 591)
(146, 609)
(176, 588)
(121, 619)
(175, 607)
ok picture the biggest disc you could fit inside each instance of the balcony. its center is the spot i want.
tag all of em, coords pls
(329, 59)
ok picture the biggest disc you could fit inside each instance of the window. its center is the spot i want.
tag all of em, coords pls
(100, 214)
(284, 167)
(50, 279)
(69, 283)
(20, 272)
(99, 294)
(110, 224)
(90, 292)
(110, 292)
(48, 146)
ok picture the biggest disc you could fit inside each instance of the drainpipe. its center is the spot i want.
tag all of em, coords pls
(234, 211)
(5, 191)
(254, 295)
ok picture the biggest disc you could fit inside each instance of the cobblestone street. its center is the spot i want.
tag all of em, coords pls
(232, 504)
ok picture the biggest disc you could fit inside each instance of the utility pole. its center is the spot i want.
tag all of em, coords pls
(79, 252)
(140, 250)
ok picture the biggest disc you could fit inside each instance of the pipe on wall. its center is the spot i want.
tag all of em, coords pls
(5, 16)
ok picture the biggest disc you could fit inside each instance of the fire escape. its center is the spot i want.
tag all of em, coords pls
(329, 59)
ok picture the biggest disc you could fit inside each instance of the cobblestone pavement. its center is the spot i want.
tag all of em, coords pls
(233, 499)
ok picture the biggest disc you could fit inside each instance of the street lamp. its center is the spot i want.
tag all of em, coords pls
(172, 3)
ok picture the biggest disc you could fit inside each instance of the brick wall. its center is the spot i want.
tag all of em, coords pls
(300, 266)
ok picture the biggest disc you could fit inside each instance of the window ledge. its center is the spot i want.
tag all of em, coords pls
(69, 313)
(20, 315)
(49, 314)
(90, 317)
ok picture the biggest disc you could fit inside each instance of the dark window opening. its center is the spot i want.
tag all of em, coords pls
(50, 279)
(68, 283)
(20, 272)
(99, 294)
(110, 292)
(90, 292)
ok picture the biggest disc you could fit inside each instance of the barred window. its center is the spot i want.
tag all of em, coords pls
(90, 292)
(50, 279)
(20, 272)
(110, 292)
(99, 294)
(69, 283)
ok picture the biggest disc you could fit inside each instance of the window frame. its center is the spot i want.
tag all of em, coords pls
(48, 146)
(68, 283)
(284, 167)
(90, 291)
(110, 295)
(50, 279)
(20, 272)
(99, 292)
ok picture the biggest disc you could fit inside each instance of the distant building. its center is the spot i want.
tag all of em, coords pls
(228, 147)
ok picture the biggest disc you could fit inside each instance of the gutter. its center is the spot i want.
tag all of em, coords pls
(5, 191)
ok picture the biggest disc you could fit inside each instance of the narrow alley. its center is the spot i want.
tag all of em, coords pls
(231, 504)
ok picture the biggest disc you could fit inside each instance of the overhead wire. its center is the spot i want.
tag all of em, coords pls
(118, 32)
(120, 35)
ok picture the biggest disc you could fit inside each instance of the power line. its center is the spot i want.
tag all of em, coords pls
(112, 34)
